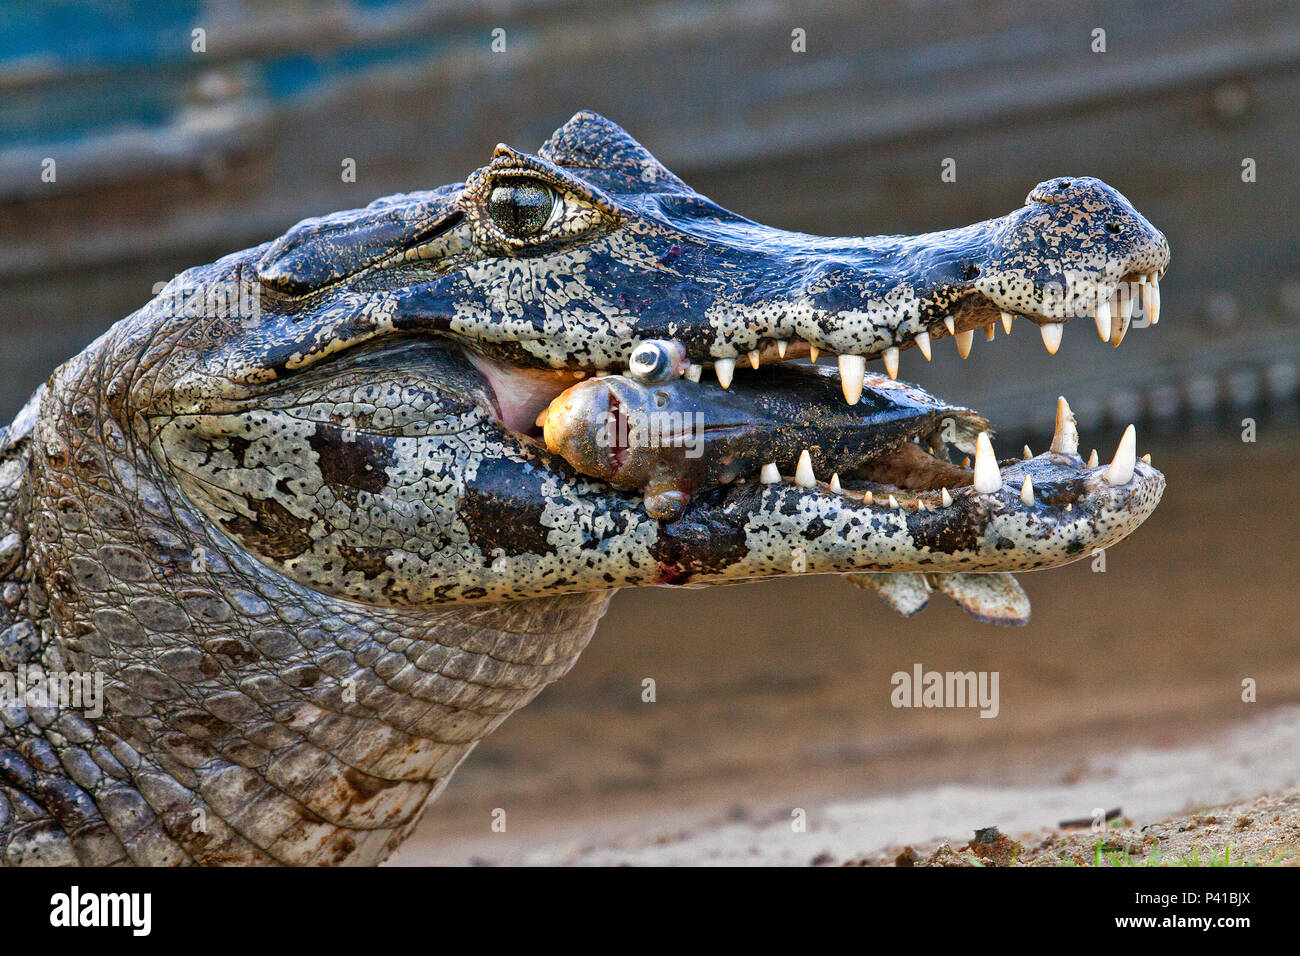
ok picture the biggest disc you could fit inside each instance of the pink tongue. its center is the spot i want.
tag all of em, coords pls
(521, 393)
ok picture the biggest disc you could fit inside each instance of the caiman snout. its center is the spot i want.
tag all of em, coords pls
(1129, 238)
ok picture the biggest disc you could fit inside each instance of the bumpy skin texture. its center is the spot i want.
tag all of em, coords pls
(305, 729)
(315, 554)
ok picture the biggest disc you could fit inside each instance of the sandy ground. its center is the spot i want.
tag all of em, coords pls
(1125, 691)
(1191, 783)
(1260, 832)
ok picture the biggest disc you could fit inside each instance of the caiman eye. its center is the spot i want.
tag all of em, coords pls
(657, 361)
(522, 209)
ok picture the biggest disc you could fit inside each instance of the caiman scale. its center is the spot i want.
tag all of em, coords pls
(319, 544)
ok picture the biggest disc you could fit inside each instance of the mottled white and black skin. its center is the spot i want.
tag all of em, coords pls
(317, 553)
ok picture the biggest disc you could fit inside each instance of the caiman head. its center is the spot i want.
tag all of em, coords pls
(573, 372)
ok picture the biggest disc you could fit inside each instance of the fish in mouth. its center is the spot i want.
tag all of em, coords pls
(454, 389)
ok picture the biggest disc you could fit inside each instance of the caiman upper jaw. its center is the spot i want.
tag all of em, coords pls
(1076, 248)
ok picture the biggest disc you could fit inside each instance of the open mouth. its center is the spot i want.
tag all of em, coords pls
(861, 438)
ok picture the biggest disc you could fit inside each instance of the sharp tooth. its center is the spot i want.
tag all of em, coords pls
(893, 503)
(989, 329)
(964, 341)
(1069, 507)
(923, 343)
(1051, 332)
(754, 362)
(1100, 315)
(1147, 458)
(891, 362)
(1153, 302)
(803, 472)
(1026, 454)
(945, 497)
(769, 475)
(852, 369)
(1027, 492)
(1065, 439)
(920, 505)
(813, 352)
(1123, 301)
(1120, 471)
(868, 498)
(1119, 330)
(951, 324)
(725, 368)
(693, 372)
(965, 462)
(1092, 459)
(781, 346)
(835, 482)
(987, 476)
(1007, 319)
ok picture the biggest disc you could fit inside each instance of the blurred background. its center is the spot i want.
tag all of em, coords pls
(139, 138)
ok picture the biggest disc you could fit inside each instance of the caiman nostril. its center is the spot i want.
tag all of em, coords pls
(1112, 226)
(1053, 191)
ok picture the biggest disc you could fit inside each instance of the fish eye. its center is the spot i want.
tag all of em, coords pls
(522, 208)
(656, 361)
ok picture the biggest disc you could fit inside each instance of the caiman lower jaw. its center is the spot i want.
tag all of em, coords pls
(1015, 515)
(819, 531)
(871, 490)
(1022, 514)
